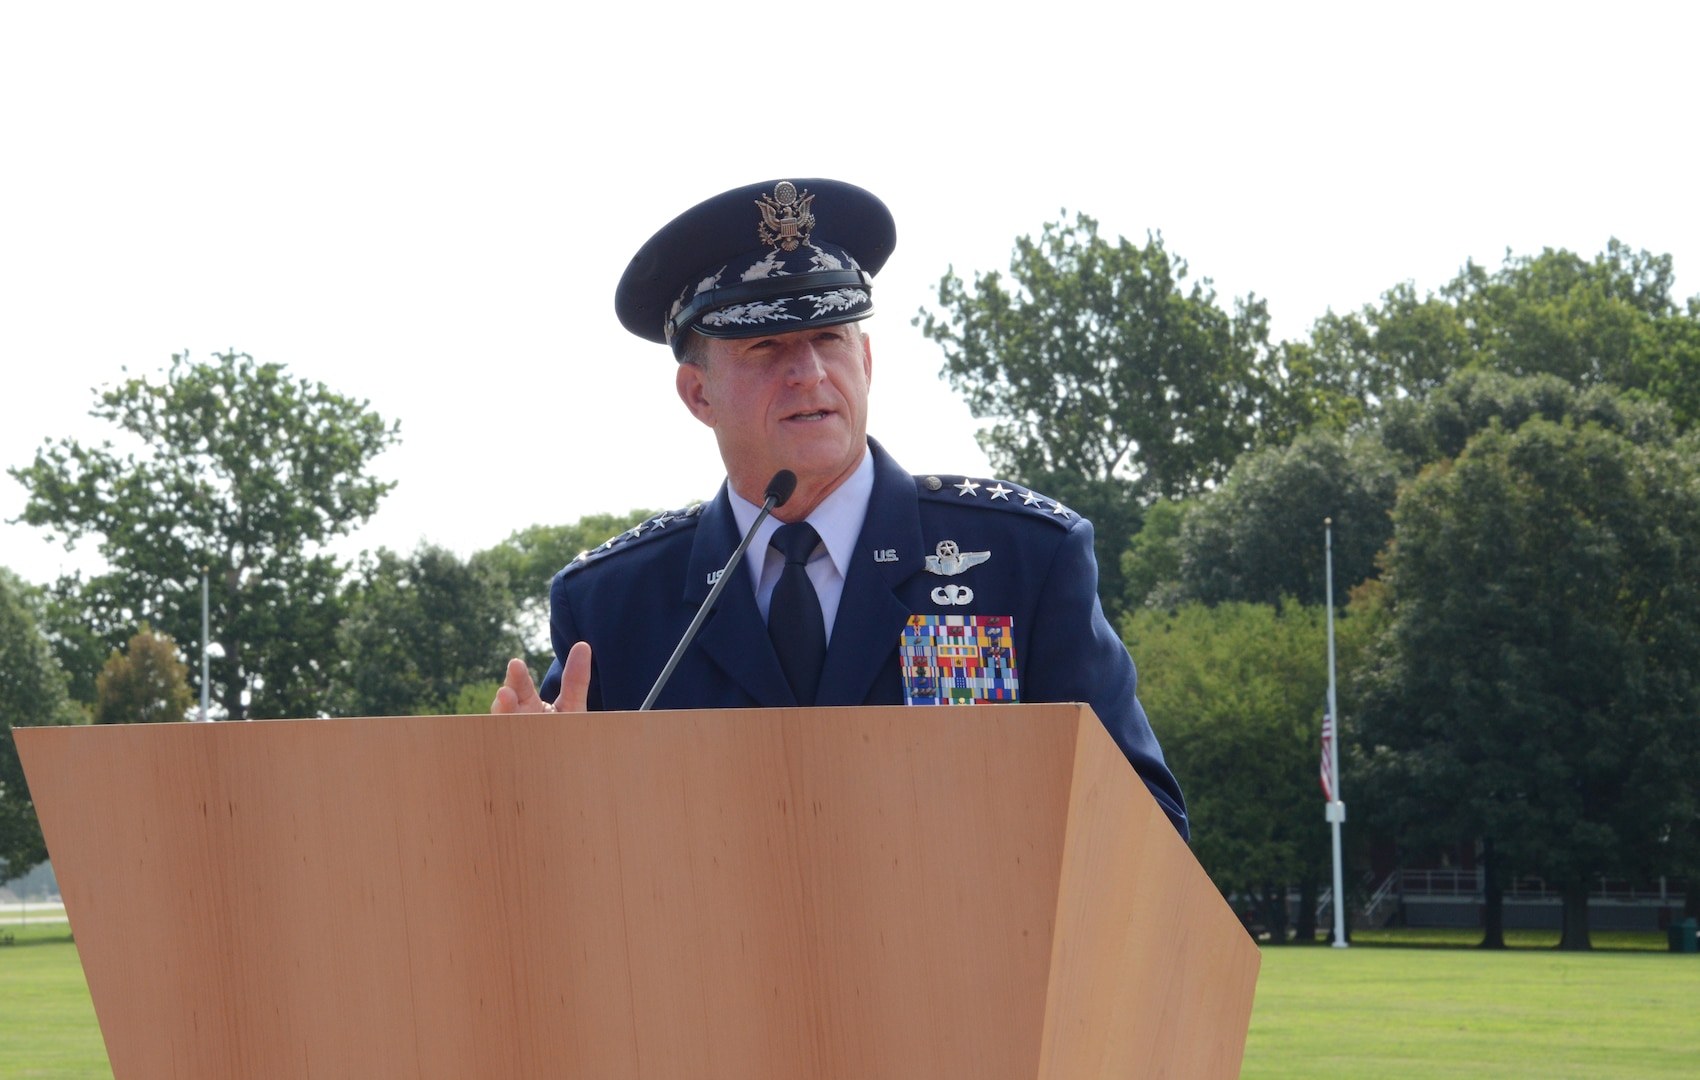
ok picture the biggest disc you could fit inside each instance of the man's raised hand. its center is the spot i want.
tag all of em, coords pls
(519, 694)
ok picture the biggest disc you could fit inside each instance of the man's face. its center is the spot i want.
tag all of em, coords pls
(795, 401)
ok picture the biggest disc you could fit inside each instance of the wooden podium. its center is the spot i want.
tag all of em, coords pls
(786, 894)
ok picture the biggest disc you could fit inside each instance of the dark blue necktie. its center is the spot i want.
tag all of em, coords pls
(794, 619)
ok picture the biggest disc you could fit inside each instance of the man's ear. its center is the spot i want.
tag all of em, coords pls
(867, 360)
(689, 380)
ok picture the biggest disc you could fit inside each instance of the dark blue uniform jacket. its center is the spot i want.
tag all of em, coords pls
(632, 599)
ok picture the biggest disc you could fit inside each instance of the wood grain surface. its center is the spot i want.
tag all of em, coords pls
(979, 892)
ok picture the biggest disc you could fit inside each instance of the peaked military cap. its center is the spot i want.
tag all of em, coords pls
(766, 258)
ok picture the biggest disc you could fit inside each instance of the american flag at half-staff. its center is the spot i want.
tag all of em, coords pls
(1327, 774)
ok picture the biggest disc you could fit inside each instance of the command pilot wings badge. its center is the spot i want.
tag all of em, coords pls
(951, 560)
(786, 220)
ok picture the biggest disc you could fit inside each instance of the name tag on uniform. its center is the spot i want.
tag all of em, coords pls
(958, 660)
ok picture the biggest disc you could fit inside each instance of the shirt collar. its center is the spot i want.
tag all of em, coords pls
(838, 519)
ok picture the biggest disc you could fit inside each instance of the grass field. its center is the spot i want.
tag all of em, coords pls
(47, 1025)
(1410, 1007)
(1398, 1004)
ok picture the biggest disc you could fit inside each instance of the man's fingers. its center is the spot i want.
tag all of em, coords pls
(575, 680)
(517, 692)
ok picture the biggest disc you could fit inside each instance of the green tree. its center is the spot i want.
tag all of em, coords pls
(144, 684)
(474, 697)
(421, 628)
(80, 650)
(1403, 348)
(1441, 425)
(1151, 565)
(1236, 693)
(1607, 321)
(531, 557)
(1537, 688)
(32, 694)
(1437, 427)
(1259, 536)
(1108, 382)
(237, 467)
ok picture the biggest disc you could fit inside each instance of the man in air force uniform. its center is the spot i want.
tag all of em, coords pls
(869, 585)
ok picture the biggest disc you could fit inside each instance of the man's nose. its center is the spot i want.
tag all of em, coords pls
(807, 363)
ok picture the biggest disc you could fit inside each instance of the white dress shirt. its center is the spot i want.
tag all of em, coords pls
(838, 520)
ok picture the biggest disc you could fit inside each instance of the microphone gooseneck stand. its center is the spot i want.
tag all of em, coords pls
(779, 489)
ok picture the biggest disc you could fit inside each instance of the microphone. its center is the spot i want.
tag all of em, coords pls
(779, 489)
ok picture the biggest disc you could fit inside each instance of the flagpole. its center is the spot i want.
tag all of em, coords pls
(1335, 811)
(205, 663)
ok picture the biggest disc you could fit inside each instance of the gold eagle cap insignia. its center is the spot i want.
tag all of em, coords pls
(786, 220)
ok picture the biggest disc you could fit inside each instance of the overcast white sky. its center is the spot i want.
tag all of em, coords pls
(428, 205)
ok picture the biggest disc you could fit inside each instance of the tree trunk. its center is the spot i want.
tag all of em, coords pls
(1305, 932)
(1575, 917)
(1346, 912)
(232, 684)
(1275, 913)
(232, 698)
(1493, 897)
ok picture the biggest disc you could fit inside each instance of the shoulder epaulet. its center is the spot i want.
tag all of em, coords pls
(666, 522)
(993, 495)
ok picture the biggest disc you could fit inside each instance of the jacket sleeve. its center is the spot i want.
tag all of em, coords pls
(563, 634)
(1076, 656)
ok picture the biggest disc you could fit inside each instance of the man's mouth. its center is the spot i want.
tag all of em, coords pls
(818, 414)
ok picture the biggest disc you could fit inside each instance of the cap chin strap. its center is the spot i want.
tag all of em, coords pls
(745, 291)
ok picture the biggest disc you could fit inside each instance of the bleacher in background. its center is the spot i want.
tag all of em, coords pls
(1453, 898)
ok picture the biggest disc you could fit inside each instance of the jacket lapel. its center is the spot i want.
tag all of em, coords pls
(871, 618)
(733, 636)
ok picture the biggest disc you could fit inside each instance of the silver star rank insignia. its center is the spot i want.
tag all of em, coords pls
(1030, 499)
(967, 487)
(998, 491)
